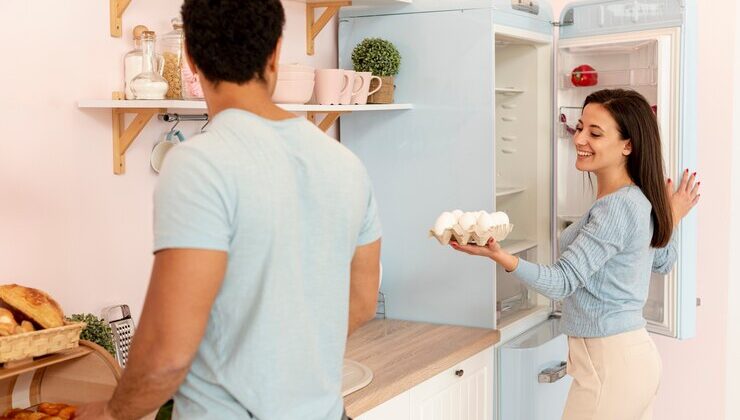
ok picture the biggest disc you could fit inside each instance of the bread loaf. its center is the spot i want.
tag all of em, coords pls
(33, 304)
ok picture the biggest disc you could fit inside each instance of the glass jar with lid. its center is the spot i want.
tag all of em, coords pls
(171, 48)
(132, 61)
(149, 84)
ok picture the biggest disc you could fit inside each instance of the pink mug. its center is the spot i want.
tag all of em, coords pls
(361, 97)
(331, 84)
(357, 84)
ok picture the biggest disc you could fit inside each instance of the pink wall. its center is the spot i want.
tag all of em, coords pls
(694, 370)
(67, 224)
(733, 319)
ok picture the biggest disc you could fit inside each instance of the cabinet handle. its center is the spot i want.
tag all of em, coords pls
(459, 372)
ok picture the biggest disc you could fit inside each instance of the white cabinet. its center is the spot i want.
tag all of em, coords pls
(463, 392)
(397, 408)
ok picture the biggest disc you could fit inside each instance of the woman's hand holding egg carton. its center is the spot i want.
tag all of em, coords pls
(466, 227)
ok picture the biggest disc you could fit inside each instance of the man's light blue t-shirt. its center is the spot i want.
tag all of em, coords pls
(289, 205)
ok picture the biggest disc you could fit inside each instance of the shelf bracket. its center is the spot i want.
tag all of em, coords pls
(327, 122)
(124, 136)
(314, 27)
(117, 7)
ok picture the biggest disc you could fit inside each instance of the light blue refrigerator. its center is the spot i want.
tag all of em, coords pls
(490, 82)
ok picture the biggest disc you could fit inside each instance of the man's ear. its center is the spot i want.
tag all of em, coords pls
(272, 63)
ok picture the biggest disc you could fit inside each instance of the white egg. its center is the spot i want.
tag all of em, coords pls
(485, 221)
(445, 221)
(468, 220)
(499, 218)
(457, 213)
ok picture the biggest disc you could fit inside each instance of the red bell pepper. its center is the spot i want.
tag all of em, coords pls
(584, 75)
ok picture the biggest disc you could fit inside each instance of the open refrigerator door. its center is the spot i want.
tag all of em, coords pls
(643, 45)
(637, 45)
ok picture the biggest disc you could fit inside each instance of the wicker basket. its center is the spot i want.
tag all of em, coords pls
(39, 343)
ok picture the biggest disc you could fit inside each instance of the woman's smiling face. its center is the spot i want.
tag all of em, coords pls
(598, 142)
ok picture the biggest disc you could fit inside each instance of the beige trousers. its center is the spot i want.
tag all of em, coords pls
(614, 378)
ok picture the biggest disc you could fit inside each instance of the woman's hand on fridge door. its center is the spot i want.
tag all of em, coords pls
(492, 250)
(683, 198)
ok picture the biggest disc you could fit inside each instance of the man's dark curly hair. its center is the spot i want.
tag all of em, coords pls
(231, 40)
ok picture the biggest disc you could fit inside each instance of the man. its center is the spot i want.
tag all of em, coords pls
(266, 238)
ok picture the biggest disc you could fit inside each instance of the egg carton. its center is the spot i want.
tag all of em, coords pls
(473, 236)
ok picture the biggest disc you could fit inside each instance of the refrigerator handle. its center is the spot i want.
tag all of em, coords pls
(553, 374)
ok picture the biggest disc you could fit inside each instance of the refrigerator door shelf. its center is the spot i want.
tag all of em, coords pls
(603, 17)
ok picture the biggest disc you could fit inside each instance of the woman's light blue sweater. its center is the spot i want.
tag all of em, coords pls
(603, 274)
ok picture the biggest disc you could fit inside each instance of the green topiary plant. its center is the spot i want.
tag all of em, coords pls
(377, 56)
(97, 330)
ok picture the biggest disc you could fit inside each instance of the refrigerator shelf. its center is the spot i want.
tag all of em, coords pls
(504, 191)
(618, 48)
(615, 78)
(509, 91)
(525, 316)
(516, 246)
(570, 218)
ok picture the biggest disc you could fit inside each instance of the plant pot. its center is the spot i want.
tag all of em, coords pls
(385, 94)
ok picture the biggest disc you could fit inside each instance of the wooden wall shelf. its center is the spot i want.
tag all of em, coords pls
(144, 110)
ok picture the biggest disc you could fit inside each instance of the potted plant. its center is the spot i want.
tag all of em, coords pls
(382, 59)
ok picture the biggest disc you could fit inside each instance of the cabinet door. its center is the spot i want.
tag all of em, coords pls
(397, 408)
(463, 392)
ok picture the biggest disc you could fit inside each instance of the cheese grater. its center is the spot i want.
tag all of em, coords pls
(122, 325)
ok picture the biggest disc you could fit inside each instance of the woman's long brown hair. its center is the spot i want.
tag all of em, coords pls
(637, 122)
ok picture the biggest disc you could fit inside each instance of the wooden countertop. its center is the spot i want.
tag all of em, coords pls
(403, 354)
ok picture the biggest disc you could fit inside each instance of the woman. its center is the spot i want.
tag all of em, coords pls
(603, 273)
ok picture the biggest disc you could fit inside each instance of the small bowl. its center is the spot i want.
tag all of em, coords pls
(296, 75)
(293, 91)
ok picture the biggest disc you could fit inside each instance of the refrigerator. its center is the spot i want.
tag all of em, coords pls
(493, 107)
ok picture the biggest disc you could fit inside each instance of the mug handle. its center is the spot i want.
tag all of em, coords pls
(362, 85)
(177, 134)
(380, 84)
(347, 84)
